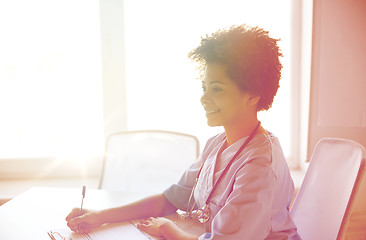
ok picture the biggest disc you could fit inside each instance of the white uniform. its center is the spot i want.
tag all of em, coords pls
(251, 201)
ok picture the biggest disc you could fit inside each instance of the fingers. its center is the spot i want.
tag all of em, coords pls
(148, 219)
(144, 226)
(151, 226)
(83, 223)
(148, 222)
(74, 223)
(71, 215)
(79, 224)
(75, 219)
(74, 213)
(145, 223)
(83, 228)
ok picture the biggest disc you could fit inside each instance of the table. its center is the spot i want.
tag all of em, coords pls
(38, 210)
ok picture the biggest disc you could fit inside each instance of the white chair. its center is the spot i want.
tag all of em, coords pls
(146, 162)
(332, 189)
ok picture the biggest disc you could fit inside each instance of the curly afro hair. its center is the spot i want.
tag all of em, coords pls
(251, 58)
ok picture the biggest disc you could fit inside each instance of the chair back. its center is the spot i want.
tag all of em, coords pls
(332, 182)
(146, 162)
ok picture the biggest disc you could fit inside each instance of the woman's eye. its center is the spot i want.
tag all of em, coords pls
(213, 89)
(216, 89)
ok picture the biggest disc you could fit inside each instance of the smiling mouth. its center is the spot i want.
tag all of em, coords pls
(212, 111)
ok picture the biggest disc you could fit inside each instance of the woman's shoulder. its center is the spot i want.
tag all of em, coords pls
(263, 142)
(262, 149)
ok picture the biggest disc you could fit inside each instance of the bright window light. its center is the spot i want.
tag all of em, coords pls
(50, 71)
(163, 90)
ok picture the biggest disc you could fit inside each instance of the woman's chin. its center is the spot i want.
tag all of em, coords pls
(211, 123)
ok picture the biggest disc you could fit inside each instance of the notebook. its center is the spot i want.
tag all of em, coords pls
(125, 230)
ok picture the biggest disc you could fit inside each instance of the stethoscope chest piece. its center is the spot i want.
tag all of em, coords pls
(203, 214)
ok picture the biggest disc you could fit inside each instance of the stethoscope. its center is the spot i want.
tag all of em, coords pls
(203, 214)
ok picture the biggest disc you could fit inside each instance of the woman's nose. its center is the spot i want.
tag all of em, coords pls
(204, 98)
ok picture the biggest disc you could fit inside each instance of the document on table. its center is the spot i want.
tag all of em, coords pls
(125, 230)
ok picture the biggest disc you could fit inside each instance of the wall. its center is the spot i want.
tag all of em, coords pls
(113, 70)
(338, 78)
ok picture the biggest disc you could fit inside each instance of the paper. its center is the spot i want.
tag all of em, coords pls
(125, 230)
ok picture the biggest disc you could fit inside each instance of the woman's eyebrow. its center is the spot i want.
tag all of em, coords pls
(219, 82)
(213, 82)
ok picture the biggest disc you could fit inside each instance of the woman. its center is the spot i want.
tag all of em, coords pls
(240, 186)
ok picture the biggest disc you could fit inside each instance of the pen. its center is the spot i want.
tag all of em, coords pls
(82, 201)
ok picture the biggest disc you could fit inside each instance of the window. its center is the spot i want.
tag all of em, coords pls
(163, 92)
(50, 87)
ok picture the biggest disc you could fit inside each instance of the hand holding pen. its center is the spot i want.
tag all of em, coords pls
(83, 220)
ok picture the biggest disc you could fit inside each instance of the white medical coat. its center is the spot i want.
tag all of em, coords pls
(251, 201)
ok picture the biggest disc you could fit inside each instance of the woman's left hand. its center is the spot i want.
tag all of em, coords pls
(152, 225)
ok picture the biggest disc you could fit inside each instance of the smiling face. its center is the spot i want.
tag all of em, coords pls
(224, 103)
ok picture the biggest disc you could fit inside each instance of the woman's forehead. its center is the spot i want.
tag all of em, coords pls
(216, 73)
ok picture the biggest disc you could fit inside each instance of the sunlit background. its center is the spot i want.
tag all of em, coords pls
(51, 96)
(50, 71)
(163, 89)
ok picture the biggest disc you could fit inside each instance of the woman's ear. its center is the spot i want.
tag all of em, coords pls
(253, 100)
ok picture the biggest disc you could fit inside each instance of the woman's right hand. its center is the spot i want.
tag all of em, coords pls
(84, 221)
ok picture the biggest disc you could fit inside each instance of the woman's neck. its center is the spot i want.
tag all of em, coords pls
(240, 130)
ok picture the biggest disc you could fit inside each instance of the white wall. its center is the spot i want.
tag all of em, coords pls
(113, 66)
(338, 78)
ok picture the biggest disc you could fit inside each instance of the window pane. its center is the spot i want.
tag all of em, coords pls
(50, 87)
(163, 92)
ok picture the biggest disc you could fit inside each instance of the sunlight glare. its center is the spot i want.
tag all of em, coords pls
(163, 92)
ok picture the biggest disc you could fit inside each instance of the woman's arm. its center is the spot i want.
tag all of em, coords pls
(153, 206)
